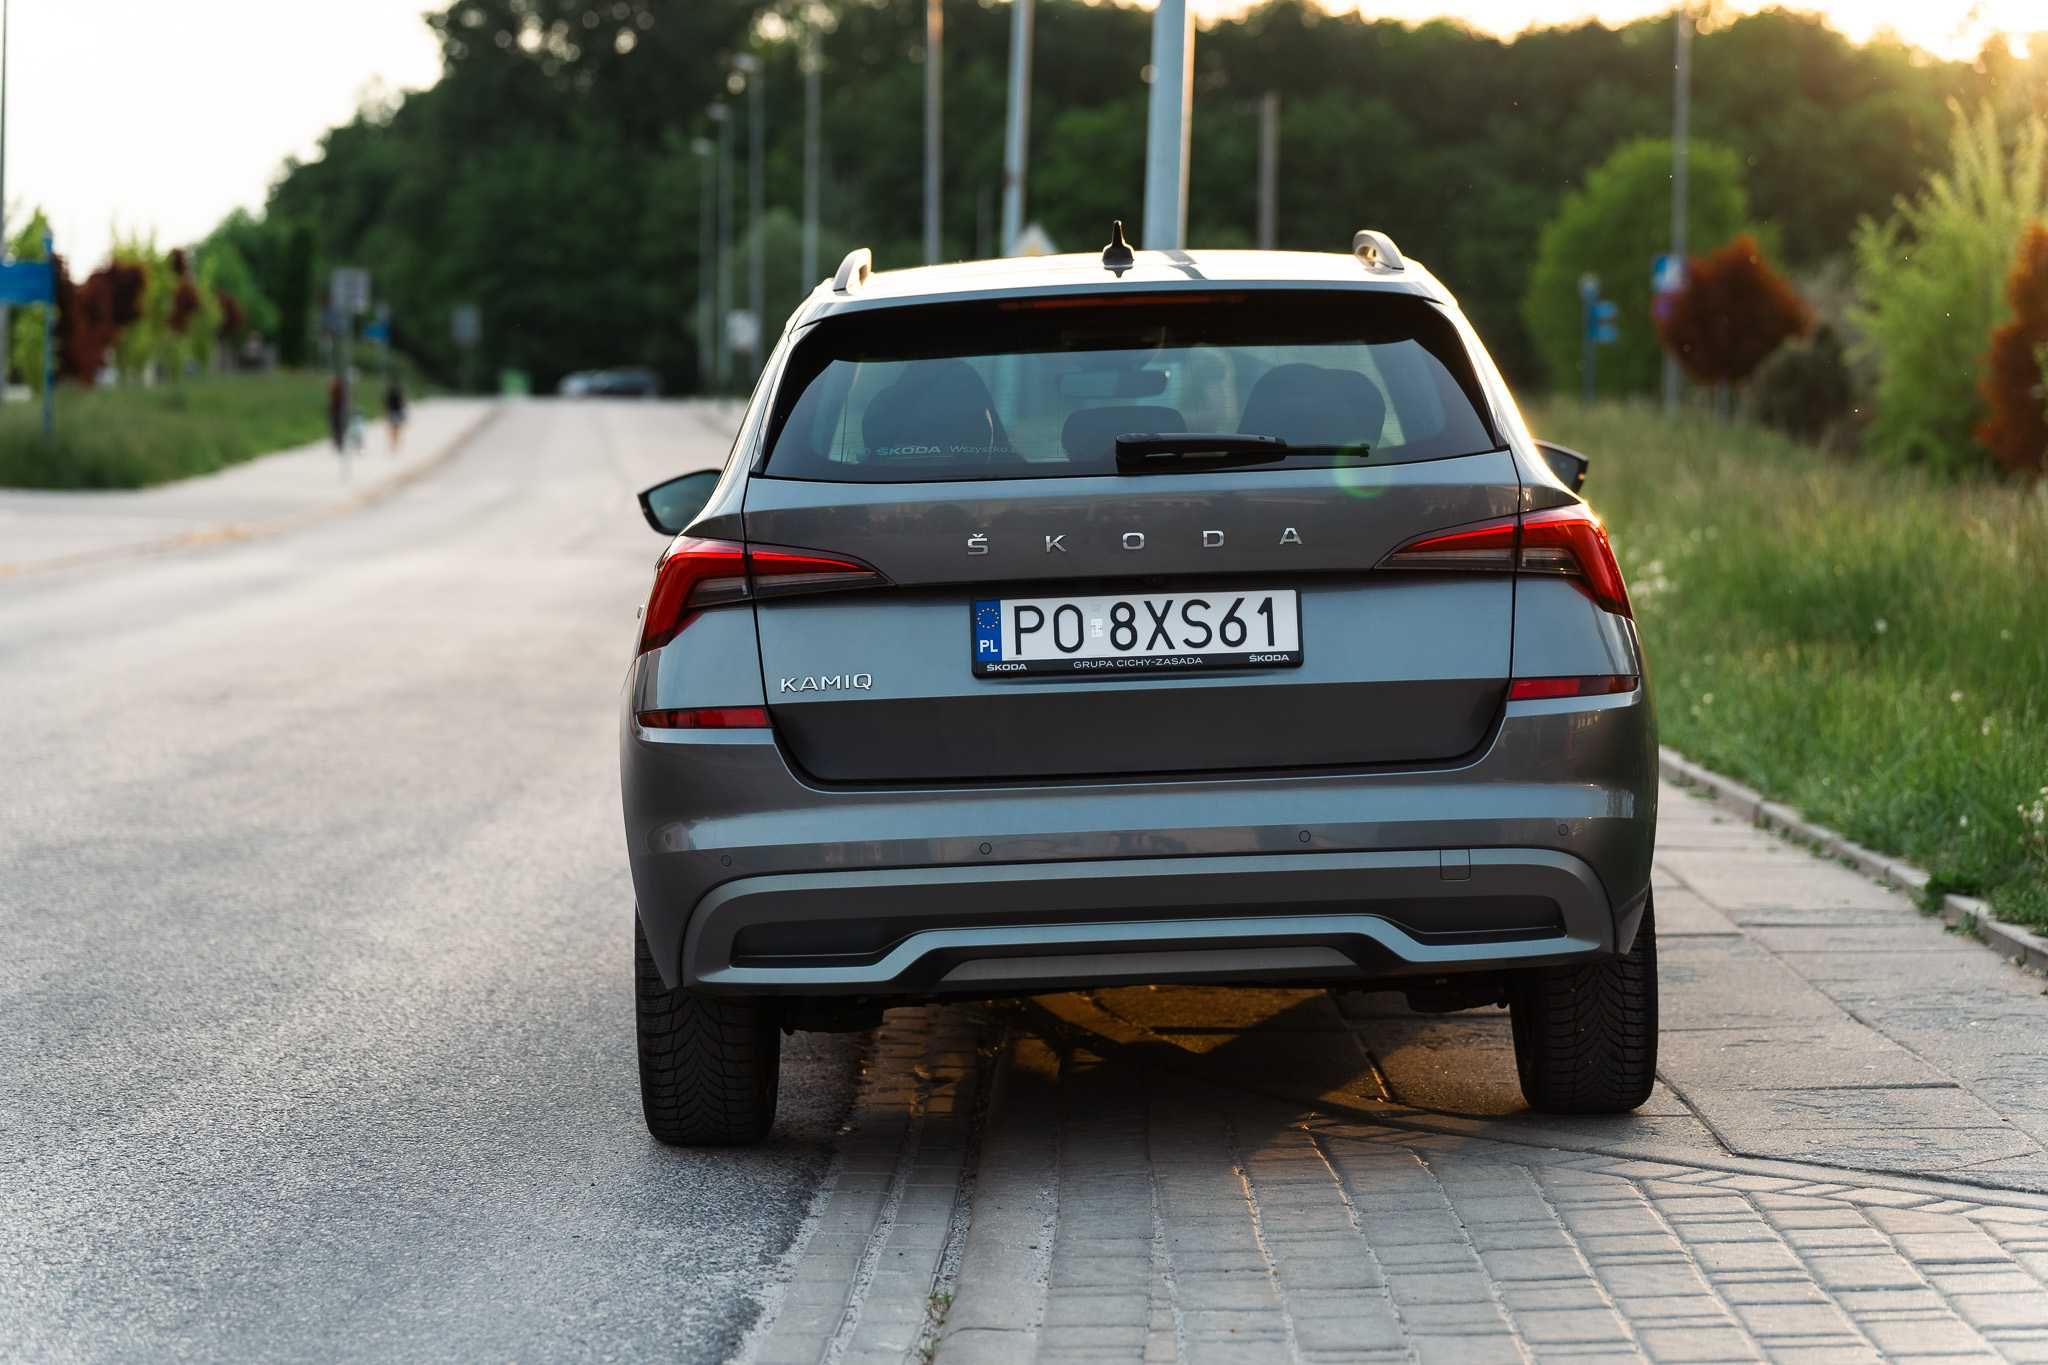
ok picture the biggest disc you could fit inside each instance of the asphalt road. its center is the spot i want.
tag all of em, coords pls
(315, 1030)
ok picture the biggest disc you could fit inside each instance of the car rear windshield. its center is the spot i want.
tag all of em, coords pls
(1042, 387)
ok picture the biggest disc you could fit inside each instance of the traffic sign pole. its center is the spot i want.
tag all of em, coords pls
(1681, 132)
(1597, 328)
(1589, 290)
(50, 343)
(348, 296)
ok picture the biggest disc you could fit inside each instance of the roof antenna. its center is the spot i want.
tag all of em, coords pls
(1118, 256)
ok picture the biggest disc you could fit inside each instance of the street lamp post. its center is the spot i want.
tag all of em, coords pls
(1269, 170)
(1166, 126)
(5, 334)
(707, 247)
(934, 42)
(749, 67)
(1017, 131)
(812, 61)
(722, 294)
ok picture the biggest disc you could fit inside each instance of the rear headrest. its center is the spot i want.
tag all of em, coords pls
(1090, 432)
(1313, 406)
(938, 403)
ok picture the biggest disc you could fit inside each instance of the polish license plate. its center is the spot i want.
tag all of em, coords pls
(1136, 633)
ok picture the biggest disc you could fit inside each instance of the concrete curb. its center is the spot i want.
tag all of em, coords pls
(1007, 1252)
(864, 1282)
(226, 532)
(1966, 913)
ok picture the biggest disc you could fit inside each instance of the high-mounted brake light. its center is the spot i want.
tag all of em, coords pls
(697, 573)
(1143, 298)
(1559, 540)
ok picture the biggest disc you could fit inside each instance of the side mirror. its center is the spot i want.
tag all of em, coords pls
(1566, 463)
(672, 505)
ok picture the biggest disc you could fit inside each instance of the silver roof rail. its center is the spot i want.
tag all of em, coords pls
(1376, 252)
(854, 270)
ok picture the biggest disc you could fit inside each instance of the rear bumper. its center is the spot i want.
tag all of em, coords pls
(1306, 916)
(751, 881)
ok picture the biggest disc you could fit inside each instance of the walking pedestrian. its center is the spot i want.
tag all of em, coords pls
(337, 414)
(394, 410)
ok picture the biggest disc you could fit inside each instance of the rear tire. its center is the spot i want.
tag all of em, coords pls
(708, 1065)
(1586, 1035)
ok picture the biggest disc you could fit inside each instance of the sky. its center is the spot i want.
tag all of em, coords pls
(148, 115)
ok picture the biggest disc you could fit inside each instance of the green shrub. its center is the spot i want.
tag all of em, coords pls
(130, 436)
(1614, 226)
(1932, 283)
(1805, 389)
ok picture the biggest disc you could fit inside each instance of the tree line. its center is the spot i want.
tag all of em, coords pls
(549, 176)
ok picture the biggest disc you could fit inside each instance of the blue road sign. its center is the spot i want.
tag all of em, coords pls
(1600, 322)
(379, 330)
(1667, 274)
(27, 282)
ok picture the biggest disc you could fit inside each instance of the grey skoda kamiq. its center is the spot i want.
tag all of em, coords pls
(1144, 617)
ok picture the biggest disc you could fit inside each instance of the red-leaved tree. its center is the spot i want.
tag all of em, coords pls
(1733, 312)
(85, 328)
(90, 317)
(2015, 378)
(185, 297)
(232, 317)
(126, 282)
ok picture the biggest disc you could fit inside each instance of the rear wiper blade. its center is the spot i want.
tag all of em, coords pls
(1138, 452)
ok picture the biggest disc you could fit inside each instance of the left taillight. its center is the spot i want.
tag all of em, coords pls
(698, 573)
(1558, 540)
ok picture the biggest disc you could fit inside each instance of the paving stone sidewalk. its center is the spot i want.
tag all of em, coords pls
(1844, 1162)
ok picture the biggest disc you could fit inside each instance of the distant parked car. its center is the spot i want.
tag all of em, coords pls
(631, 381)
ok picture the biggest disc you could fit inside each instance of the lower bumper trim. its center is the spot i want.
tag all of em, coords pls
(989, 929)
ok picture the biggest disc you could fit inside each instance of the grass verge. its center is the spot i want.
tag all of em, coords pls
(129, 436)
(1866, 644)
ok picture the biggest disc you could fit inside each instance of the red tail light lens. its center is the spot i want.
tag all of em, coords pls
(1559, 540)
(1548, 689)
(1486, 545)
(1571, 540)
(706, 718)
(694, 573)
(699, 573)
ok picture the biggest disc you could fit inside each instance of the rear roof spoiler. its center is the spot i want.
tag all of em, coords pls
(854, 271)
(1376, 252)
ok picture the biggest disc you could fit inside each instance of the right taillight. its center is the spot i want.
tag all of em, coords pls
(1559, 540)
(697, 573)
(1571, 541)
